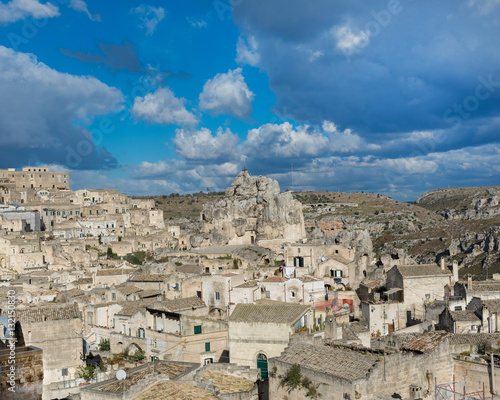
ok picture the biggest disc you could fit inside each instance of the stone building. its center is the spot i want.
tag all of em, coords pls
(21, 366)
(463, 321)
(57, 330)
(339, 372)
(34, 178)
(488, 313)
(485, 290)
(418, 284)
(262, 330)
(253, 210)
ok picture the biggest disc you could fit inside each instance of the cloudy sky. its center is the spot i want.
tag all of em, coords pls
(396, 97)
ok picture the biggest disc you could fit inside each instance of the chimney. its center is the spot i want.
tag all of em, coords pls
(442, 264)
(469, 282)
(330, 327)
(455, 271)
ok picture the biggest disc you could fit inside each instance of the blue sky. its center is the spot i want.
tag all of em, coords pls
(396, 97)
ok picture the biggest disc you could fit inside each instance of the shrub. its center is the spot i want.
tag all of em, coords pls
(104, 345)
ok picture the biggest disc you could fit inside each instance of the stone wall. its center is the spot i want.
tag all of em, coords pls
(476, 373)
(28, 374)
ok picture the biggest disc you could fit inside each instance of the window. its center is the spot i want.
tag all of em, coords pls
(197, 330)
(208, 361)
(338, 273)
(113, 296)
(207, 347)
(198, 294)
(64, 372)
(268, 294)
(217, 295)
(292, 294)
(458, 308)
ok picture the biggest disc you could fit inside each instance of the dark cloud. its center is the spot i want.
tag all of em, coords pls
(39, 113)
(367, 67)
(115, 56)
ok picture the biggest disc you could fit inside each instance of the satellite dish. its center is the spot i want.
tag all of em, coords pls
(121, 375)
(322, 258)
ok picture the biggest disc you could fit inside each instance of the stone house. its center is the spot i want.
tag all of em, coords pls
(418, 284)
(383, 317)
(339, 372)
(488, 312)
(262, 330)
(57, 330)
(485, 290)
(464, 321)
(174, 334)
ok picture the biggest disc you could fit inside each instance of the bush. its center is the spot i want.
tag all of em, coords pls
(136, 258)
(86, 372)
(104, 345)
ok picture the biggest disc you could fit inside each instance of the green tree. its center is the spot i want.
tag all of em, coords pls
(86, 372)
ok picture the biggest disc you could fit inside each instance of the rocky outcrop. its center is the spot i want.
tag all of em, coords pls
(253, 209)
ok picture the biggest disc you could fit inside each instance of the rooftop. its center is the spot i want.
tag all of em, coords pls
(409, 271)
(268, 312)
(248, 284)
(426, 342)
(168, 368)
(185, 303)
(46, 313)
(338, 361)
(166, 390)
(227, 383)
(465, 315)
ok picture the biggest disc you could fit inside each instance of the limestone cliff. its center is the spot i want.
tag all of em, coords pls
(254, 209)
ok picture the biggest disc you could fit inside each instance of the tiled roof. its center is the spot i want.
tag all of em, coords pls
(74, 293)
(170, 369)
(464, 315)
(474, 338)
(269, 312)
(308, 279)
(127, 290)
(492, 305)
(484, 286)
(131, 308)
(185, 303)
(248, 284)
(148, 278)
(149, 293)
(114, 271)
(275, 279)
(426, 342)
(41, 313)
(83, 281)
(175, 391)
(227, 383)
(341, 259)
(341, 362)
(421, 270)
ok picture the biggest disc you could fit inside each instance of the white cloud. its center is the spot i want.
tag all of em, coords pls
(329, 127)
(247, 51)
(227, 94)
(150, 16)
(40, 108)
(16, 10)
(202, 145)
(272, 140)
(162, 107)
(81, 6)
(348, 41)
(196, 23)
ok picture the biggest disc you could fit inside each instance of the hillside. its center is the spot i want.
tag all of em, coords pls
(461, 222)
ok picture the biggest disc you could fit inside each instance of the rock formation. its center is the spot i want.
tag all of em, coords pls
(253, 209)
